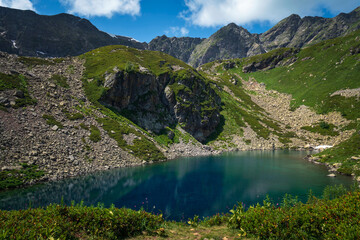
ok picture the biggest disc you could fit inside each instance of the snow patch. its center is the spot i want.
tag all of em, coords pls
(14, 43)
(323, 147)
(133, 39)
(112, 35)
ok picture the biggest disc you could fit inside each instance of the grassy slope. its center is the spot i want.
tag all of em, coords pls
(319, 71)
(240, 110)
(105, 60)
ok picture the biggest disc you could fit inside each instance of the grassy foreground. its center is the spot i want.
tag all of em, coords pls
(335, 216)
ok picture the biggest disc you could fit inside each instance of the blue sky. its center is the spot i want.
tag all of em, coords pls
(146, 19)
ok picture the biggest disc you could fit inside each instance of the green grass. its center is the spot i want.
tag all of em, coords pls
(334, 216)
(342, 153)
(142, 147)
(83, 126)
(105, 59)
(239, 113)
(331, 67)
(15, 178)
(77, 222)
(325, 218)
(52, 121)
(74, 116)
(95, 134)
(18, 82)
(323, 128)
(32, 61)
(60, 80)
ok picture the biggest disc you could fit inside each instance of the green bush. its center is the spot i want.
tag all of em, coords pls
(14, 81)
(76, 222)
(74, 116)
(130, 67)
(52, 121)
(318, 219)
(95, 134)
(18, 177)
(60, 80)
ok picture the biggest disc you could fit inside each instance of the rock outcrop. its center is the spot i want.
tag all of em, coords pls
(276, 58)
(156, 102)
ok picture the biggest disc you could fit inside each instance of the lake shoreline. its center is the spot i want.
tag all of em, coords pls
(175, 151)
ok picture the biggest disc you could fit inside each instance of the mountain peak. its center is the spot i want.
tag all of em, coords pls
(232, 25)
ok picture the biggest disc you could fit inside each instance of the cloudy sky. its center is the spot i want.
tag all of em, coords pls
(146, 19)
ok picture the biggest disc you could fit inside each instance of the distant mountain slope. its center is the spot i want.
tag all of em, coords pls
(233, 41)
(294, 31)
(27, 33)
(230, 41)
(181, 48)
(30, 34)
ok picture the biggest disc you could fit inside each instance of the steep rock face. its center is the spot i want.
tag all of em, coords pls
(280, 57)
(30, 34)
(294, 31)
(181, 48)
(155, 102)
(231, 41)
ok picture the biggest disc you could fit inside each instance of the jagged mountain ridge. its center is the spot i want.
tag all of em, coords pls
(29, 34)
(233, 41)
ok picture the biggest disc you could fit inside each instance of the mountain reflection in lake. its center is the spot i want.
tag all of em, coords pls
(182, 188)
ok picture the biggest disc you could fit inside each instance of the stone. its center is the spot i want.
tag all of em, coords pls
(355, 158)
(19, 94)
(331, 175)
(7, 168)
(55, 128)
(71, 158)
(3, 100)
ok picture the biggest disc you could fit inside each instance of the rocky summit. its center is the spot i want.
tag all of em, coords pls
(29, 34)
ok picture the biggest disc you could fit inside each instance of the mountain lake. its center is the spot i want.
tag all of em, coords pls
(182, 188)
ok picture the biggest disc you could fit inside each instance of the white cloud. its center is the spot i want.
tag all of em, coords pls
(18, 4)
(103, 8)
(210, 13)
(177, 31)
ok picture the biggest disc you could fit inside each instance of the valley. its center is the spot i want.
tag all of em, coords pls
(77, 102)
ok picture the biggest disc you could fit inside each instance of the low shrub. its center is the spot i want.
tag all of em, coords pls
(76, 222)
(317, 219)
(95, 134)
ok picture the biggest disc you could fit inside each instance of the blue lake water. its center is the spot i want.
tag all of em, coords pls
(186, 187)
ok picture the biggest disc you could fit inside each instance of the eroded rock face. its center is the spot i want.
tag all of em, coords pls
(277, 59)
(155, 102)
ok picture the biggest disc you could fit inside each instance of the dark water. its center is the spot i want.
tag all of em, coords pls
(182, 188)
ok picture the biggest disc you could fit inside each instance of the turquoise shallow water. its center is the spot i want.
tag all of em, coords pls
(184, 187)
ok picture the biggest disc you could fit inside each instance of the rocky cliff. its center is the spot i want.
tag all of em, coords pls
(155, 97)
(29, 34)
